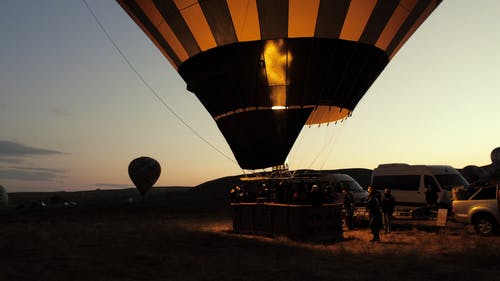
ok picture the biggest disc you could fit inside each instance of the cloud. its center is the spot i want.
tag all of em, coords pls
(30, 173)
(10, 160)
(59, 111)
(15, 152)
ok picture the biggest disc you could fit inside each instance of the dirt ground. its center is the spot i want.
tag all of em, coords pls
(202, 246)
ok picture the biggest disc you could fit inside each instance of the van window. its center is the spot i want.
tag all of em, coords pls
(352, 186)
(409, 182)
(337, 187)
(429, 182)
(448, 181)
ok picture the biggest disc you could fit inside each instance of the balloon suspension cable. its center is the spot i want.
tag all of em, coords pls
(328, 148)
(151, 89)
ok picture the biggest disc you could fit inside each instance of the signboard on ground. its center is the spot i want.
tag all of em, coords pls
(442, 215)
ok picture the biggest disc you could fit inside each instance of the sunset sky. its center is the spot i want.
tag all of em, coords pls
(73, 113)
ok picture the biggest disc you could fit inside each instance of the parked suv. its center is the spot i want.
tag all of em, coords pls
(482, 210)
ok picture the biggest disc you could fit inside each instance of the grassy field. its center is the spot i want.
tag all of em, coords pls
(187, 235)
(133, 242)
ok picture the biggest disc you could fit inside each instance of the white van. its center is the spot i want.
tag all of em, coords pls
(408, 183)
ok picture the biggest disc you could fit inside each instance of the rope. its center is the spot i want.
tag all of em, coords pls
(151, 89)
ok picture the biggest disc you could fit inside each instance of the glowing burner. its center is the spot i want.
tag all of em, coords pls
(278, 107)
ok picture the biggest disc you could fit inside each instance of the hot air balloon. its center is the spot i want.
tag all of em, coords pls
(265, 68)
(144, 172)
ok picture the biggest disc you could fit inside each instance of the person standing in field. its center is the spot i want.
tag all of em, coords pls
(373, 207)
(388, 203)
(431, 196)
(349, 208)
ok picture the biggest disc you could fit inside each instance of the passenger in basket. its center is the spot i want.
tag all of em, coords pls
(315, 196)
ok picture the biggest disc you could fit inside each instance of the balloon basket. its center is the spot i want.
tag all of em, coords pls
(322, 223)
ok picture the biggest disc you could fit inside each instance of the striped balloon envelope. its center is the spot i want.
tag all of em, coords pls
(265, 68)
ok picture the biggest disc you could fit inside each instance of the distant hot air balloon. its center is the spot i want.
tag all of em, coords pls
(265, 68)
(144, 172)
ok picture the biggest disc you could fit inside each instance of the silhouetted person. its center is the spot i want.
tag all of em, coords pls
(315, 196)
(431, 196)
(246, 196)
(388, 204)
(273, 194)
(300, 195)
(280, 192)
(373, 207)
(329, 195)
(349, 207)
(234, 195)
(263, 193)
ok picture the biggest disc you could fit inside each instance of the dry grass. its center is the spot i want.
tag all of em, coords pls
(171, 246)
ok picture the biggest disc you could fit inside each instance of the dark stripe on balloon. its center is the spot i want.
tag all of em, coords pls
(378, 20)
(331, 16)
(407, 25)
(151, 28)
(220, 22)
(173, 17)
(273, 18)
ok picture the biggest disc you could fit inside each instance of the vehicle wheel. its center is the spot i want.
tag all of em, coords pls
(484, 225)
